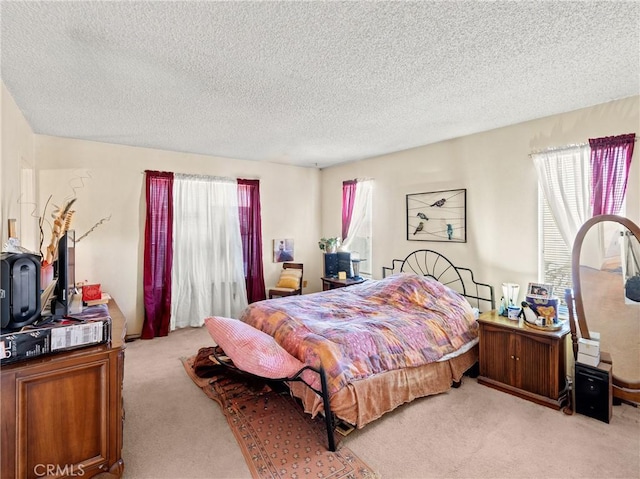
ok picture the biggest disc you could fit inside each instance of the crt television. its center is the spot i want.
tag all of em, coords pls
(64, 268)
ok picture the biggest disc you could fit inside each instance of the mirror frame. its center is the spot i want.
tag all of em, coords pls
(622, 389)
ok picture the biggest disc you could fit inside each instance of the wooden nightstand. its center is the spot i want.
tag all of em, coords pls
(333, 283)
(523, 361)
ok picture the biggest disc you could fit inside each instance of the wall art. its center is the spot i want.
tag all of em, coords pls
(282, 250)
(437, 216)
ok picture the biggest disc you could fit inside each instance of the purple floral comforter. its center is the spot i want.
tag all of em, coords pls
(402, 321)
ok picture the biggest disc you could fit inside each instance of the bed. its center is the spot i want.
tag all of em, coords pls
(381, 343)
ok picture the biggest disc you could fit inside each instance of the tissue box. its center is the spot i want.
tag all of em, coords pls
(588, 352)
(545, 307)
(590, 360)
(589, 347)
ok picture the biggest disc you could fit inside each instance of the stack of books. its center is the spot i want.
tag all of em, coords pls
(104, 299)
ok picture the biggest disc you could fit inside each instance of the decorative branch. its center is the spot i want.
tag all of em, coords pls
(41, 222)
(74, 189)
(103, 220)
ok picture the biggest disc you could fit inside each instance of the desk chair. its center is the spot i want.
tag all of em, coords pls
(290, 282)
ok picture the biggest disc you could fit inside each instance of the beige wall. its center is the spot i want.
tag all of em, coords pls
(113, 185)
(305, 204)
(501, 183)
(16, 147)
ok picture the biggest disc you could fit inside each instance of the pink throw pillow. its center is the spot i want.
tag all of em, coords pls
(252, 350)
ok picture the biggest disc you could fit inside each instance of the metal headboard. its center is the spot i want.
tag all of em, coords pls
(430, 263)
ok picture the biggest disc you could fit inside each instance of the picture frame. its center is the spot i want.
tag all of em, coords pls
(437, 216)
(540, 290)
(283, 250)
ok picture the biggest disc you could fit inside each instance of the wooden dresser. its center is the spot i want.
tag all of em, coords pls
(62, 413)
(523, 361)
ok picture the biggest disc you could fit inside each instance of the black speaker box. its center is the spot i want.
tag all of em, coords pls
(330, 265)
(344, 263)
(4, 293)
(20, 290)
(594, 391)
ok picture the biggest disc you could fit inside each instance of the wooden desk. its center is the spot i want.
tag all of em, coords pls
(62, 413)
(333, 283)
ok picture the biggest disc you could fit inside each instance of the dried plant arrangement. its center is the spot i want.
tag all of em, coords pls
(61, 222)
(62, 218)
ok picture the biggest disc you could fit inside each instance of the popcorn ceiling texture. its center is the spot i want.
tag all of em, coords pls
(309, 83)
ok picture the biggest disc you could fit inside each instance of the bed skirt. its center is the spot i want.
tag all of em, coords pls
(363, 401)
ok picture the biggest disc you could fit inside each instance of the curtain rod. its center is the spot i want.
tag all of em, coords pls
(197, 176)
(562, 148)
(558, 148)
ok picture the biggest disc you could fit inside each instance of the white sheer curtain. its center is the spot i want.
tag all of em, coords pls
(208, 273)
(361, 214)
(564, 178)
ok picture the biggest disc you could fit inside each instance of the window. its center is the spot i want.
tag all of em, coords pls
(362, 244)
(576, 182)
(554, 254)
(564, 205)
(357, 221)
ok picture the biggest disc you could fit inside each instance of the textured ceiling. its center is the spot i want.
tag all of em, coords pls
(309, 83)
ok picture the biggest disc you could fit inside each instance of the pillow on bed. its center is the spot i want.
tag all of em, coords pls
(289, 278)
(252, 350)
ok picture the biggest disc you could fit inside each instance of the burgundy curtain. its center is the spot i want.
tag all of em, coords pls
(251, 233)
(348, 199)
(158, 254)
(610, 161)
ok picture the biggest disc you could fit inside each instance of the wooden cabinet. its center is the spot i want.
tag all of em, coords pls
(62, 413)
(523, 361)
(334, 283)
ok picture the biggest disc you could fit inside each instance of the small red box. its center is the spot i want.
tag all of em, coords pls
(91, 292)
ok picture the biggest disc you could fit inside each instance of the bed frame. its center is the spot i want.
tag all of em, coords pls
(432, 264)
(297, 377)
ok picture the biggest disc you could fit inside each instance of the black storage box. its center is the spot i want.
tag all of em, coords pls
(59, 335)
(330, 265)
(344, 263)
(594, 391)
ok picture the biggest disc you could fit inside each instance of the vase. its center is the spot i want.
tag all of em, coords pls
(510, 292)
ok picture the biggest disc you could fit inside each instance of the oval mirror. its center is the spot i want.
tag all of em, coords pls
(605, 260)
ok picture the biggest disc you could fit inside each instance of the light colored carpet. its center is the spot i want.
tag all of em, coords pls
(278, 439)
(172, 430)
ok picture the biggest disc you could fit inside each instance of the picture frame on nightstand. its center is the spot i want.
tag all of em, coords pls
(540, 290)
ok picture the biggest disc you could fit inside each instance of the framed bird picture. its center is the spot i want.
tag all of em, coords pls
(437, 216)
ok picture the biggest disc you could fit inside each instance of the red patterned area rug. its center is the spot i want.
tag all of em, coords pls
(277, 439)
